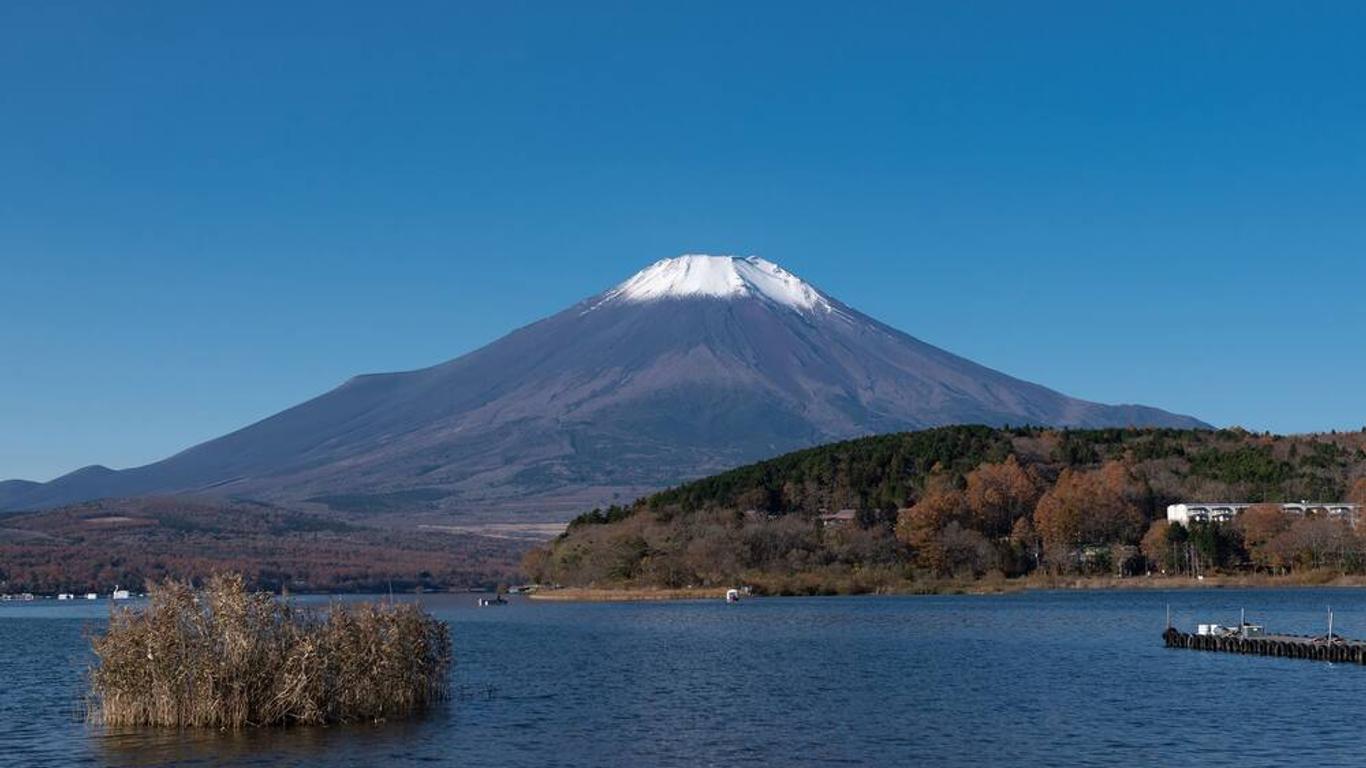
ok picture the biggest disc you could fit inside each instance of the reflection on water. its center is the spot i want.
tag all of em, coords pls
(264, 746)
(1047, 678)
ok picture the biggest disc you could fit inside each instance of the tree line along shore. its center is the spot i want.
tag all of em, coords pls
(976, 508)
(93, 546)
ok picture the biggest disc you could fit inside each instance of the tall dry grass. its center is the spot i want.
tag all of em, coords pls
(224, 657)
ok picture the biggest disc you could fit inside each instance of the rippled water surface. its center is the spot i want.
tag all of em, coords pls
(1041, 679)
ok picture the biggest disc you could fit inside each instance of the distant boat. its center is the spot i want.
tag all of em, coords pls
(66, 596)
(91, 596)
(485, 602)
(732, 595)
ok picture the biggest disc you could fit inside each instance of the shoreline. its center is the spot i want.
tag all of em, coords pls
(984, 587)
(625, 594)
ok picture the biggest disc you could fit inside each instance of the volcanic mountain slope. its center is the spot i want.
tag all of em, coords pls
(693, 365)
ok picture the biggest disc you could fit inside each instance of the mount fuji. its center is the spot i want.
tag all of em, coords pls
(693, 365)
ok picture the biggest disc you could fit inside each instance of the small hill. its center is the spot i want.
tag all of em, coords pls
(961, 502)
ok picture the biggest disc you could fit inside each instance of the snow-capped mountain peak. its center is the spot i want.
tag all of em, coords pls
(584, 407)
(722, 277)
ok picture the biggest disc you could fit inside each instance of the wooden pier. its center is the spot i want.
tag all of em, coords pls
(1322, 648)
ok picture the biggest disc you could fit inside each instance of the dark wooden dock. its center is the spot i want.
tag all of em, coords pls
(1322, 648)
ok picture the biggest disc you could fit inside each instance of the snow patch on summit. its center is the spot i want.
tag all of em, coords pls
(723, 277)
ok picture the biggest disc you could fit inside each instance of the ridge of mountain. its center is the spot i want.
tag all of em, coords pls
(691, 366)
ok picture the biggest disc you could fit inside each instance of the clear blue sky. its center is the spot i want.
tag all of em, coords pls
(208, 214)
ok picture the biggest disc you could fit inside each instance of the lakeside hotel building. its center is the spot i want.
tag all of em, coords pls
(1224, 511)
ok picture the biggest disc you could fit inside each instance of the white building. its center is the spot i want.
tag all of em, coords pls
(1205, 511)
(1224, 511)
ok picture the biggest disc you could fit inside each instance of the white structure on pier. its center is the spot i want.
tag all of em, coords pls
(1224, 511)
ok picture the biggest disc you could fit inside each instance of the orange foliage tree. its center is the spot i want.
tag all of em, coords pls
(1084, 508)
(1156, 544)
(922, 525)
(1260, 524)
(1000, 494)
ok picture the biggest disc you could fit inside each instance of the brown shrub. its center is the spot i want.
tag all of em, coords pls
(228, 658)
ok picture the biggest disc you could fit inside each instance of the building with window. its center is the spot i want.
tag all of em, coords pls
(1225, 511)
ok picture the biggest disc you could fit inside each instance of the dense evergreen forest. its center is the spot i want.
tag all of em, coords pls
(964, 503)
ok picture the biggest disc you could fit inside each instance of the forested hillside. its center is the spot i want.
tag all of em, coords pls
(134, 542)
(971, 502)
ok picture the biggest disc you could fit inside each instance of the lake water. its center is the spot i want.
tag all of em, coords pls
(1072, 678)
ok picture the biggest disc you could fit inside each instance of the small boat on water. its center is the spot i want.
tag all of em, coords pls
(732, 595)
(486, 602)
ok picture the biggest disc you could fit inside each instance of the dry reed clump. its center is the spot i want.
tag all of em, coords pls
(224, 657)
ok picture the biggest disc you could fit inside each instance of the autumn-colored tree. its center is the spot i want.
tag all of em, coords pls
(1059, 515)
(1315, 542)
(1082, 508)
(922, 525)
(1117, 516)
(967, 553)
(1156, 546)
(1027, 540)
(1259, 525)
(535, 563)
(1358, 493)
(1000, 494)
